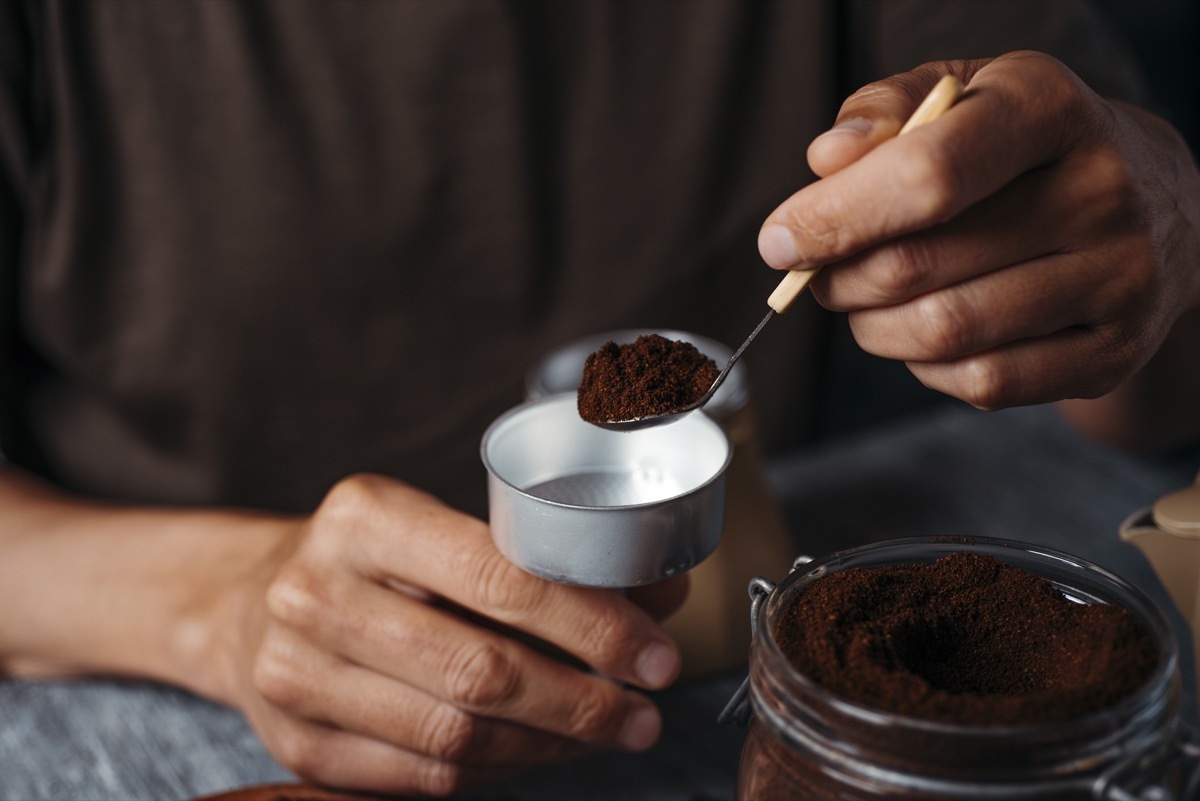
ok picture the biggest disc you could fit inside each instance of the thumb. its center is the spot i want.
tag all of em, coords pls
(876, 112)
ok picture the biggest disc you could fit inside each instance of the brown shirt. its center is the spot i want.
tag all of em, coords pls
(249, 248)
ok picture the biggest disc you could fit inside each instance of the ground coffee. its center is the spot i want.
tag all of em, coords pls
(967, 639)
(652, 375)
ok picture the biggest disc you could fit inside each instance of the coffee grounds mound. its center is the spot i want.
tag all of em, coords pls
(650, 376)
(968, 640)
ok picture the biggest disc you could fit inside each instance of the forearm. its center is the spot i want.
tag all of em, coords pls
(93, 588)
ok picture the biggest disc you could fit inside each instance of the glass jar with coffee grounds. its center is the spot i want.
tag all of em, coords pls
(1084, 702)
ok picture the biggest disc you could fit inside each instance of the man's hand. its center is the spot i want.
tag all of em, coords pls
(370, 659)
(380, 644)
(1035, 243)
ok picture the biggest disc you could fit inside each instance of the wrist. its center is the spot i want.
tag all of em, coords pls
(219, 619)
(114, 590)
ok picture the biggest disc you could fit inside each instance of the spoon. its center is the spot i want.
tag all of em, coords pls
(939, 99)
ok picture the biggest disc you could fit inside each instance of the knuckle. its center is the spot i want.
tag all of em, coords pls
(356, 497)
(300, 751)
(1115, 352)
(1133, 288)
(988, 384)
(1127, 279)
(933, 182)
(276, 675)
(608, 636)
(901, 269)
(1107, 187)
(1144, 270)
(1122, 354)
(449, 734)
(1060, 90)
(1053, 73)
(944, 325)
(589, 714)
(296, 598)
(820, 225)
(501, 589)
(1067, 91)
(439, 779)
(482, 677)
(1111, 173)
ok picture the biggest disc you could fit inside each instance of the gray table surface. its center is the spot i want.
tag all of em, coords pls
(1019, 474)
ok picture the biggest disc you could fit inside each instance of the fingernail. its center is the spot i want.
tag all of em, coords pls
(657, 665)
(641, 729)
(860, 126)
(777, 247)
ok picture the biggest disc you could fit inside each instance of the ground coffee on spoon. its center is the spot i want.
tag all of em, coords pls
(650, 376)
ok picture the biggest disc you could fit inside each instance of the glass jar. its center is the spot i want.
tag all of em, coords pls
(806, 743)
(711, 627)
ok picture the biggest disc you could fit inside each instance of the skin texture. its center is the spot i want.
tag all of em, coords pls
(1025, 247)
(381, 643)
(1036, 243)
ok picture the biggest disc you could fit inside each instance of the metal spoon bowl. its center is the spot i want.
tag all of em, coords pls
(638, 423)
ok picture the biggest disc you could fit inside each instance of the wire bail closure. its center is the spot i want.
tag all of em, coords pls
(1177, 756)
(737, 709)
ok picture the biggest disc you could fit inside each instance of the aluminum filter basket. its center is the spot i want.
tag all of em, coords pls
(578, 504)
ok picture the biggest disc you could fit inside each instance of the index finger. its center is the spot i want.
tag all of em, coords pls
(1011, 119)
(452, 555)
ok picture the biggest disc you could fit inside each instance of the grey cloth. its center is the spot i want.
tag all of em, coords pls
(1019, 474)
(122, 740)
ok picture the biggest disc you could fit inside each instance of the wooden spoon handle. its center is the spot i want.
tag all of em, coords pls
(935, 104)
(789, 289)
(940, 98)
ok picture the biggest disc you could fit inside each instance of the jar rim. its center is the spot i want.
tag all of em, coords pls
(1021, 554)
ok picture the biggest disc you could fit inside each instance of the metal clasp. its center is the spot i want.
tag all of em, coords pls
(1175, 762)
(738, 707)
